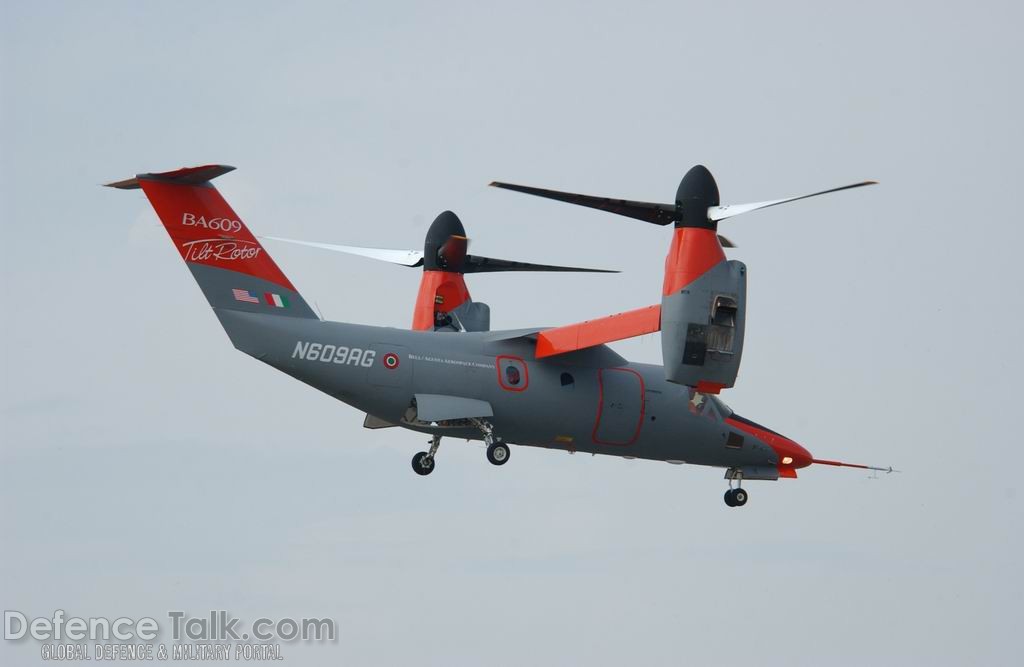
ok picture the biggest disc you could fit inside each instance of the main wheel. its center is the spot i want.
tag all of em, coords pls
(739, 496)
(498, 453)
(423, 463)
(728, 498)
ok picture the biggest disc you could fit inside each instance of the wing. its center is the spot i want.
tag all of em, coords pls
(590, 333)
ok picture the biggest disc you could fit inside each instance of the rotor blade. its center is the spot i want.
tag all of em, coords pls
(717, 213)
(726, 243)
(658, 214)
(403, 257)
(478, 264)
(840, 464)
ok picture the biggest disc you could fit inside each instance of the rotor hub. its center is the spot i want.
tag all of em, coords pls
(697, 192)
(445, 226)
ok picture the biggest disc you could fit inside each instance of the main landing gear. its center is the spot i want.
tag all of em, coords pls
(423, 462)
(497, 452)
(735, 497)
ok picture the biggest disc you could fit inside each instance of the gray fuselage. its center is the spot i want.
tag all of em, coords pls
(592, 400)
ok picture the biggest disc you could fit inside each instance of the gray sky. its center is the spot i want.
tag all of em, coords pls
(147, 466)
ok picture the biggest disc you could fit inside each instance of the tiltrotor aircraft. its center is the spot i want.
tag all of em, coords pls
(559, 388)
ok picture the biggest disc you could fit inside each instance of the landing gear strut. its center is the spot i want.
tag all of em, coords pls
(497, 451)
(423, 462)
(735, 497)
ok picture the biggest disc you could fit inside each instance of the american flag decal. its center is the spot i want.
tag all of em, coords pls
(244, 295)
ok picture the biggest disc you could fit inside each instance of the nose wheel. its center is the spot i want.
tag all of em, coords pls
(736, 497)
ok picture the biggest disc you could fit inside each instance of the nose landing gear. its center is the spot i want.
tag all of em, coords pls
(735, 497)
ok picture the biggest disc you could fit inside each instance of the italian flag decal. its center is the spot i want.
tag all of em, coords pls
(276, 300)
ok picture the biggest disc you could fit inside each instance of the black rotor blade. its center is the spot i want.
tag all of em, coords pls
(658, 214)
(726, 243)
(478, 264)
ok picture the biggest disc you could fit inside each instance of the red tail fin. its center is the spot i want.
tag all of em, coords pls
(210, 236)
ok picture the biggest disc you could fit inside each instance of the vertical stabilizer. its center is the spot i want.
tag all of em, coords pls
(232, 268)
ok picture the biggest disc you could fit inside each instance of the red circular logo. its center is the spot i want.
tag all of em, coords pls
(391, 361)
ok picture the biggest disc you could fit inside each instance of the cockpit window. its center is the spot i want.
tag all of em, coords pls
(700, 405)
(722, 407)
(708, 405)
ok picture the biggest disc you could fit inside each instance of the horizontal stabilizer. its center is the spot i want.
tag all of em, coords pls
(185, 176)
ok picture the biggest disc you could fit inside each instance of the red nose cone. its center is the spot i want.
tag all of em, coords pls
(791, 455)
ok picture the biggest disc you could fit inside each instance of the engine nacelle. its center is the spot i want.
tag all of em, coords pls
(702, 328)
